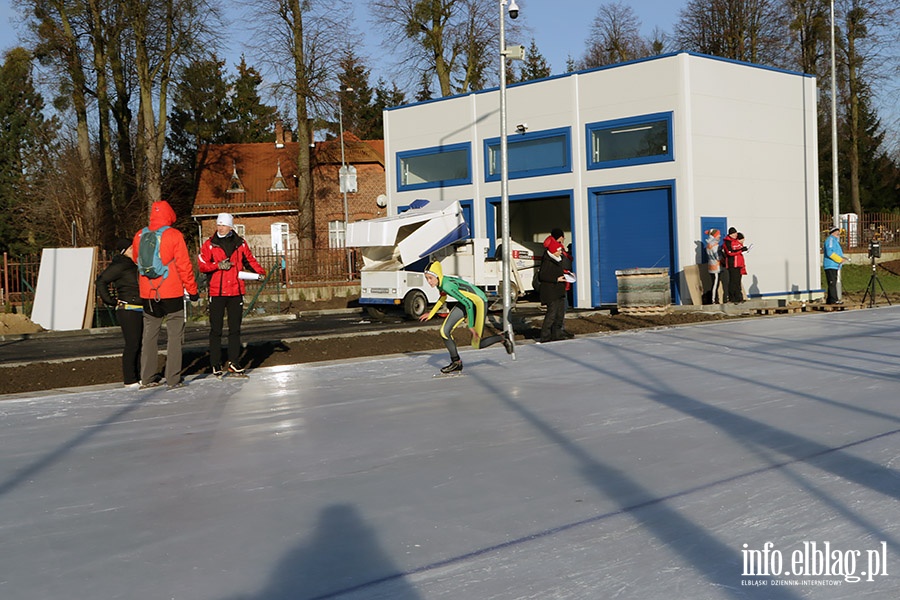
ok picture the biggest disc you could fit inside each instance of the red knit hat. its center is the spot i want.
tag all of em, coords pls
(552, 244)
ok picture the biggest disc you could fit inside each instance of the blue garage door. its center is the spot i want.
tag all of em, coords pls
(633, 229)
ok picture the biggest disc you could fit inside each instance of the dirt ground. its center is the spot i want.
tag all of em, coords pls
(44, 376)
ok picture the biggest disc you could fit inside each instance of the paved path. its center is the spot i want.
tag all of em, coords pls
(644, 465)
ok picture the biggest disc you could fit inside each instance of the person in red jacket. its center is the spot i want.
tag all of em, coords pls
(222, 257)
(163, 297)
(734, 249)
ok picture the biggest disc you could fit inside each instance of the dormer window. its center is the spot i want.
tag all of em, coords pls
(279, 184)
(235, 186)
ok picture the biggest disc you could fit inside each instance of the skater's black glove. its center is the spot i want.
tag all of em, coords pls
(194, 297)
(224, 265)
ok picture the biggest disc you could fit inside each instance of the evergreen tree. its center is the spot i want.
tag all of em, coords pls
(424, 92)
(385, 98)
(879, 175)
(200, 116)
(535, 65)
(25, 137)
(253, 120)
(356, 98)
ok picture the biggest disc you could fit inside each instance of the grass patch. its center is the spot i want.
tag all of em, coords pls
(855, 279)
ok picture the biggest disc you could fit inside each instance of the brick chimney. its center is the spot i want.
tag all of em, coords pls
(279, 134)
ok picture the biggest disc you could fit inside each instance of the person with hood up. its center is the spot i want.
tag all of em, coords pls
(222, 257)
(470, 307)
(164, 297)
(122, 275)
(714, 260)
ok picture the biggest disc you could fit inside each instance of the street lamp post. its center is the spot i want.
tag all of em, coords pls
(504, 174)
(836, 205)
(343, 178)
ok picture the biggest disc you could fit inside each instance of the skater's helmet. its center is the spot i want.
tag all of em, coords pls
(436, 270)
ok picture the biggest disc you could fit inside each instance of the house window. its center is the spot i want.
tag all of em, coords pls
(278, 184)
(239, 229)
(633, 141)
(336, 234)
(235, 186)
(442, 166)
(280, 237)
(530, 154)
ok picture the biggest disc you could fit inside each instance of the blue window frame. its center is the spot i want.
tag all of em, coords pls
(441, 166)
(467, 208)
(633, 141)
(530, 154)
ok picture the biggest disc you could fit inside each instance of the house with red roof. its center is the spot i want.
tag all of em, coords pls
(257, 183)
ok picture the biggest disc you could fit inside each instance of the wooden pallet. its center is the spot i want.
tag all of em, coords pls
(778, 310)
(643, 310)
(831, 307)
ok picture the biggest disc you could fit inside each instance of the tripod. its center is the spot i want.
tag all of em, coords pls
(870, 288)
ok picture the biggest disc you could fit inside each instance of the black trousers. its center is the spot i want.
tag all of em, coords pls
(131, 322)
(554, 320)
(735, 294)
(219, 306)
(831, 276)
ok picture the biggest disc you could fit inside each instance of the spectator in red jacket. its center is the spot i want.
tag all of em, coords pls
(164, 297)
(222, 257)
(734, 249)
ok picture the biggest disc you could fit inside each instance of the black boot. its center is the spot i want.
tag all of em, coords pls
(454, 366)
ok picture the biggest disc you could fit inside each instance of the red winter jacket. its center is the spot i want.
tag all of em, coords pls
(173, 252)
(227, 283)
(734, 253)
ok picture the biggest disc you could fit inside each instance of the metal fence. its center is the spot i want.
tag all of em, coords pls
(868, 227)
(302, 266)
(296, 267)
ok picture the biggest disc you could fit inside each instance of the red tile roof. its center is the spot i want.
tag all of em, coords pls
(257, 165)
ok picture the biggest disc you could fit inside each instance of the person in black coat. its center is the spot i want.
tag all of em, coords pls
(553, 293)
(122, 276)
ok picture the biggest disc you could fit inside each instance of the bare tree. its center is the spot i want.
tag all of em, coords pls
(100, 49)
(304, 59)
(615, 37)
(809, 30)
(61, 29)
(163, 32)
(451, 39)
(747, 30)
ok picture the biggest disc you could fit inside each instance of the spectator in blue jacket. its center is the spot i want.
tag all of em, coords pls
(834, 260)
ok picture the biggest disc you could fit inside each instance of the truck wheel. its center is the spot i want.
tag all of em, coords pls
(513, 293)
(376, 312)
(415, 304)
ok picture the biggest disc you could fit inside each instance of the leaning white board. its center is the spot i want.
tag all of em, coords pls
(65, 282)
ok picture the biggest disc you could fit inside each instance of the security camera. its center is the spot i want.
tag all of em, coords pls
(381, 201)
(522, 127)
(513, 9)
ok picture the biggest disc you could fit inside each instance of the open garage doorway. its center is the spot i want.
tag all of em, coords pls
(531, 218)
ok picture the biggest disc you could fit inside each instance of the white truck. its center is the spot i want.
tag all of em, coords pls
(396, 250)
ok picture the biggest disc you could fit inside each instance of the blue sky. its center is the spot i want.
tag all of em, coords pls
(560, 27)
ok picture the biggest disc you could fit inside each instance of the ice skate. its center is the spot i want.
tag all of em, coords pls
(454, 368)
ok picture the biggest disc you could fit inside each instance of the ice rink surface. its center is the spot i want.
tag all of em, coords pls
(683, 463)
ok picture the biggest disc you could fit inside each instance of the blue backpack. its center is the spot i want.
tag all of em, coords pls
(149, 261)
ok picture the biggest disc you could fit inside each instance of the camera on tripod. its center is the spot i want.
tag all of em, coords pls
(874, 249)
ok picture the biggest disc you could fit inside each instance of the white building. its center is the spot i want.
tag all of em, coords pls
(633, 162)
